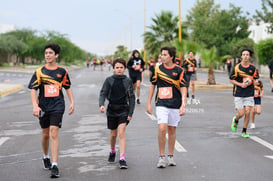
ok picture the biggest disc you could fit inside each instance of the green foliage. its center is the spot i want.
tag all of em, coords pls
(265, 51)
(209, 56)
(237, 46)
(266, 14)
(26, 43)
(215, 27)
(162, 32)
(122, 52)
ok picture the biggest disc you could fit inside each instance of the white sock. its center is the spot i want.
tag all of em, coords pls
(54, 163)
(46, 156)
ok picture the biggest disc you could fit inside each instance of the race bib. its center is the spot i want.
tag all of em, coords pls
(190, 69)
(256, 93)
(165, 93)
(51, 91)
(137, 67)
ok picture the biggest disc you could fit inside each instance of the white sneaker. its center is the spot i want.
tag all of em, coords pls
(252, 126)
(171, 161)
(161, 162)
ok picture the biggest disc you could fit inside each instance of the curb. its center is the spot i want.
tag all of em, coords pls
(201, 85)
(10, 88)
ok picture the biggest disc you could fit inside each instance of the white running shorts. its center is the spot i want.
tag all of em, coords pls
(168, 116)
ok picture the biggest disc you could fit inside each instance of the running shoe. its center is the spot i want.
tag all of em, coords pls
(112, 157)
(245, 135)
(161, 162)
(123, 164)
(138, 101)
(55, 172)
(47, 163)
(252, 126)
(171, 162)
(234, 125)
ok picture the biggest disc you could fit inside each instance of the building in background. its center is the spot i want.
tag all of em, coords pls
(259, 31)
(7, 27)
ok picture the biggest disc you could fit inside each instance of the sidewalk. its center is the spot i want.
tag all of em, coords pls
(6, 89)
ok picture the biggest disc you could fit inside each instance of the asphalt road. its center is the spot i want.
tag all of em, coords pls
(206, 148)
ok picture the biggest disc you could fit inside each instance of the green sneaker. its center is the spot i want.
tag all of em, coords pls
(234, 125)
(245, 135)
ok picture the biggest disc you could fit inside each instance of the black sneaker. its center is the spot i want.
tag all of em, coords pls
(272, 89)
(47, 163)
(192, 96)
(112, 157)
(55, 172)
(138, 102)
(122, 164)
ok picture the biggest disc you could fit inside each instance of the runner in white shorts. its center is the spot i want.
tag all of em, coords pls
(169, 79)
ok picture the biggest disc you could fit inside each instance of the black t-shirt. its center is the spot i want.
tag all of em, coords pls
(245, 74)
(169, 82)
(50, 83)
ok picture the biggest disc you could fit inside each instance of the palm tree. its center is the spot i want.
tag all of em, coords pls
(209, 57)
(163, 30)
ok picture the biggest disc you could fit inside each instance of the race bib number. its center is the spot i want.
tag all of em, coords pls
(137, 67)
(165, 93)
(51, 91)
(190, 69)
(256, 93)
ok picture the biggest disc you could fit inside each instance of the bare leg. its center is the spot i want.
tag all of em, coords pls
(171, 139)
(162, 128)
(54, 138)
(45, 140)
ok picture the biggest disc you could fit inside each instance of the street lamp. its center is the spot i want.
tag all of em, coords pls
(179, 27)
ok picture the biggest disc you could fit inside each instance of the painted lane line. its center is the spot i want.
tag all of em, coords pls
(262, 142)
(270, 157)
(151, 116)
(177, 145)
(3, 140)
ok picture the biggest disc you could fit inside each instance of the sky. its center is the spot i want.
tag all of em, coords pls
(99, 26)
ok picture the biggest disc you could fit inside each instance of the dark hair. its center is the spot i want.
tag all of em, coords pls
(135, 51)
(247, 49)
(119, 60)
(171, 51)
(54, 46)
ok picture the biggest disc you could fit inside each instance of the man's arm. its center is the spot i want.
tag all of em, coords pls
(150, 96)
(71, 99)
(36, 108)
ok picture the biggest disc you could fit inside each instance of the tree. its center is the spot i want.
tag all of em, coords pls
(266, 14)
(265, 51)
(209, 57)
(163, 31)
(215, 27)
(121, 52)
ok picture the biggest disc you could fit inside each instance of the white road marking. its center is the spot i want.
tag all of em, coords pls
(3, 140)
(271, 157)
(262, 142)
(177, 145)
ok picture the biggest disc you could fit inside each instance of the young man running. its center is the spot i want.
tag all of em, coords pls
(118, 89)
(50, 106)
(242, 77)
(258, 94)
(190, 67)
(136, 66)
(169, 79)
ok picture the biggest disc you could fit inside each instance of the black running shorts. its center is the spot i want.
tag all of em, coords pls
(114, 122)
(54, 119)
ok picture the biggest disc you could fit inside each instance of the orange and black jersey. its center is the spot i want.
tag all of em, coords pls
(178, 62)
(169, 82)
(189, 65)
(245, 74)
(258, 89)
(50, 83)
